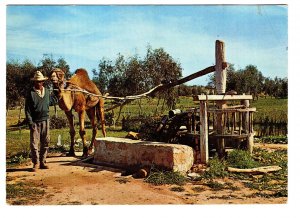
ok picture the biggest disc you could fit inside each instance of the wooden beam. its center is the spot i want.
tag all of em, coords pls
(264, 169)
(226, 110)
(185, 79)
(222, 97)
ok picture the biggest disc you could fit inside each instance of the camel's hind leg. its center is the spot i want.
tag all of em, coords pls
(81, 115)
(92, 116)
(72, 132)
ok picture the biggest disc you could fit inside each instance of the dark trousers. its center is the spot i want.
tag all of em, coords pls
(39, 142)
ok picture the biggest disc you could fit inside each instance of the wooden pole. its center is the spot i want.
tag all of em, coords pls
(247, 120)
(203, 133)
(246, 117)
(220, 72)
(220, 87)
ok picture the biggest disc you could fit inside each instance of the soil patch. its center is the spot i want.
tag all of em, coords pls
(69, 181)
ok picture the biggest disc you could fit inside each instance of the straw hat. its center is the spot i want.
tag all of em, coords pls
(38, 76)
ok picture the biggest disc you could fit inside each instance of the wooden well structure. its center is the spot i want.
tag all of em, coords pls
(223, 116)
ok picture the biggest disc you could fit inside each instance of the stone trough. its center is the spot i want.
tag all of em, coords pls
(125, 153)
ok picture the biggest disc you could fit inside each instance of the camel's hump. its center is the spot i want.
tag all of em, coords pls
(82, 80)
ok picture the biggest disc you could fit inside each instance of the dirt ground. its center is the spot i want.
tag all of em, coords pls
(71, 182)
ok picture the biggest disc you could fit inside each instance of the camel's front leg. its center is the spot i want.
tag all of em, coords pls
(72, 132)
(81, 116)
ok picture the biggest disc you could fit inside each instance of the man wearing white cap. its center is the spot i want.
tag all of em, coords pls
(37, 114)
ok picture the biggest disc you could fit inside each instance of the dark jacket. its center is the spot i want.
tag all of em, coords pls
(37, 108)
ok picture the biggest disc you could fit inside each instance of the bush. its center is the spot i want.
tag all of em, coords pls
(19, 159)
(282, 139)
(135, 123)
(165, 177)
(241, 159)
(58, 122)
(217, 168)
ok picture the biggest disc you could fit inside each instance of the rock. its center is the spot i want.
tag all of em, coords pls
(125, 153)
(193, 175)
(133, 135)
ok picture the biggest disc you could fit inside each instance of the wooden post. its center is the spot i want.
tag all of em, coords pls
(250, 142)
(220, 73)
(247, 120)
(203, 133)
(221, 87)
(246, 117)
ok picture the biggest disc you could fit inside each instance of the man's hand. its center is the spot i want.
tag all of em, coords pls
(32, 126)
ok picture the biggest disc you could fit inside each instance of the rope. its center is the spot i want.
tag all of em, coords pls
(130, 97)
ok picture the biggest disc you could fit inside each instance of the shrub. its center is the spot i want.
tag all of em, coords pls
(58, 122)
(282, 139)
(177, 189)
(19, 159)
(241, 159)
(217, 168)
(165, 177)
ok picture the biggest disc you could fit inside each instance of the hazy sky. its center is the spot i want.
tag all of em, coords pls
(83, 35)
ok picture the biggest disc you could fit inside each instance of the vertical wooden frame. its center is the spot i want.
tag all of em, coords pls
(203, 133)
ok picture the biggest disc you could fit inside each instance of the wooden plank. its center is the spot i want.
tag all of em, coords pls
(203, 133)
(230, 136)
(231, 110)
(222, 97)
(264, 169)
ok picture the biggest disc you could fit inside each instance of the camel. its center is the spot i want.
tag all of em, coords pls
(81, 103)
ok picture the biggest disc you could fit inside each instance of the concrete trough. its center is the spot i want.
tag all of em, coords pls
(126, 153)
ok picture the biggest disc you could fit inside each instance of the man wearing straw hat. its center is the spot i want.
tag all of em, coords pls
(37, 114)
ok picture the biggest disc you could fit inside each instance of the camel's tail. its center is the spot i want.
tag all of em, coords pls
(100, 115)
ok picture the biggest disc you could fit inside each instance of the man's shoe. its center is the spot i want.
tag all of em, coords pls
(34, 168)
(44, 166)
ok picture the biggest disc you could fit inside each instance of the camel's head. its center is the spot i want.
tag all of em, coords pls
(57, 77)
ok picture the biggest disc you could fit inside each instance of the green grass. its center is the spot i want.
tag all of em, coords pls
(198, 189)
(23, 193)
(217, 169)
(159, 177)
(241, 159)
(177, 189)
(270, 107)
(281, 139)
(275, 182)
(17, 139)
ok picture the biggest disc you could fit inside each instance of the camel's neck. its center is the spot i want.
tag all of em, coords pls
(65, 100)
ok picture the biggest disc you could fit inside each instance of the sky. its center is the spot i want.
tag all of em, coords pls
(84, 34)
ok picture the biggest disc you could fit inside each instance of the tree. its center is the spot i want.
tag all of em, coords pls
(18, 81)
(136, 75)
(46, 64)
(248, 80)
(62, 64)
(18, 77)
(253, 80)
(160, 67)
